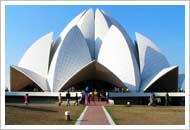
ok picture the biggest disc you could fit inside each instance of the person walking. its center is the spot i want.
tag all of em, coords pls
(59, 100)
(83, 97)
(86, 98)
(89, 97)
(93, 96)
(166, 99)
(76, 100)
(68, 96)
(26, 99)
(151, 99)
(87, 89)
(107, 97)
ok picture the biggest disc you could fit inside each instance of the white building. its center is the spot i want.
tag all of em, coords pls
(94, 47)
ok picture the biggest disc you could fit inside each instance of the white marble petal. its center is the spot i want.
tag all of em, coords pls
(101, 28)
(156, 77)
(36, 58)
(115, 54)
(151, 59)
(36, 78)
(94, 71)
(86, 25)
(125, 34)
(71, 55)
(66, 30)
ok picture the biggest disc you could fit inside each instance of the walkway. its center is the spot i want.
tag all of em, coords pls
(95, 114)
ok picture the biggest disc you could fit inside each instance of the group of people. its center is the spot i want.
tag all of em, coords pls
(152, 101)
(87, 95)
(86, 98)
(68, 96)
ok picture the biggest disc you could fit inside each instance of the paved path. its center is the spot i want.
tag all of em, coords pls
(94, 115)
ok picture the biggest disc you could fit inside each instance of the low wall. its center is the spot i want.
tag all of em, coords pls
(35, 99)
(174, 101)
(119, 98)
(38, 97)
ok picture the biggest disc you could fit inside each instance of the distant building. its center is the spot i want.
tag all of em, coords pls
(95, 50)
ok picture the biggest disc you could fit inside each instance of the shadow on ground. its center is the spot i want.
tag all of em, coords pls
(32, 108)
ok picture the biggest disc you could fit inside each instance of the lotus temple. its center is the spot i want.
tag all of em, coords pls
(94, 50)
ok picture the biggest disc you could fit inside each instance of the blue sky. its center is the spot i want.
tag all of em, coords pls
(164, 25)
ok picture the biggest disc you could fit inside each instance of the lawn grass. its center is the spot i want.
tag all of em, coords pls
(144, 115)
(36, 114)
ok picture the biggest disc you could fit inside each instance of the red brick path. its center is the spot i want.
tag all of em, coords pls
(95, 115)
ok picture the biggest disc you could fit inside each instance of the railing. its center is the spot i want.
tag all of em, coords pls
(136, 94)
(111, 94)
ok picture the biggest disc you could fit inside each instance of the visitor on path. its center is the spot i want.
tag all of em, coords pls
(86, 99)
(68, 98)
(87, 89)
(26, 99)
(166, 99)
(151, 99)
(95, 92)
(81, 100)
(107, 97)
(76, 100)
(89, 96)
(59, 100)
(93, 96)
(83, 97)
(102, 97)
